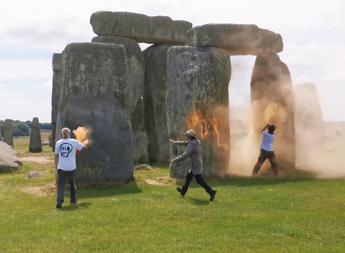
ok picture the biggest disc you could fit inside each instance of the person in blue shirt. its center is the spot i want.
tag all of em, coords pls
(266, 151)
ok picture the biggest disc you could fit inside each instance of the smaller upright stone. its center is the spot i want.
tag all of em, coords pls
(7, 130)
(35, 137)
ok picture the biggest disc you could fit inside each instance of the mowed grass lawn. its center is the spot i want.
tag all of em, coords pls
(248, 215)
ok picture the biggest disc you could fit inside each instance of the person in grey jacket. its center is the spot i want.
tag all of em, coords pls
(193, 152)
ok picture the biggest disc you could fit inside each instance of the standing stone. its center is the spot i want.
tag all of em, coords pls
(272, 102)
(134, 92)
(7, 129)
(235, 39)
(55, 94)
(35, 137)
(9, 160)
(309, 124)
(0, 130)
(140, 138)
(197, 98)
(94, 82)
(155, 98)
(139, 27)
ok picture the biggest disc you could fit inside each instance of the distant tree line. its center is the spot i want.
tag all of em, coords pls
(22, 128)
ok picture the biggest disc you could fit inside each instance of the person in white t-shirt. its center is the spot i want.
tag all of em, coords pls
(266, 151)
(65, 158)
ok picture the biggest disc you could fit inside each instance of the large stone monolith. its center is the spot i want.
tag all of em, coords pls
(135, 92)
(7, 131)
(309, 125)
(9, 160)
(94, 83)
(139, 27)
(35, 137)
(197, 98)
(56, 64)
(155, 98)
(236, 39)
(273, 102)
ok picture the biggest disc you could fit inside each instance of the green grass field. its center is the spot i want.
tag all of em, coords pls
(248, 215)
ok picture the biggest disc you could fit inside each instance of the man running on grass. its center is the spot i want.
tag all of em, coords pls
(65, 154)
(266, 151)
(193, 152)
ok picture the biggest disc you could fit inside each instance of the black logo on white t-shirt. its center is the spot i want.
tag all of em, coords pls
(65, 149)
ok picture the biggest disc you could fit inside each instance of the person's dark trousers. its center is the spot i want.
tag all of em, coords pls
(64, 176)
(199, 179)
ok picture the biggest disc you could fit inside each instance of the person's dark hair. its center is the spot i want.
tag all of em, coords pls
(271, 129)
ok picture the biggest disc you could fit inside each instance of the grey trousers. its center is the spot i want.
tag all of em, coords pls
(64, 176)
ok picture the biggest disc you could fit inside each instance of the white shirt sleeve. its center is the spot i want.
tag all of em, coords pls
(79, 146)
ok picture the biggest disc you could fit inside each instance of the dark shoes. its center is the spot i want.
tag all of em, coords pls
(59, 205)
(212, 195)
(179, 189)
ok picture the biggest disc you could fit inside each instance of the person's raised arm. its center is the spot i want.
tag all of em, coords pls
(267, 125)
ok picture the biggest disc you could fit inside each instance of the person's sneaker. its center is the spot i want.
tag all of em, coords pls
(213, 195)
(58, 205)
(179, 189)
(74, 202)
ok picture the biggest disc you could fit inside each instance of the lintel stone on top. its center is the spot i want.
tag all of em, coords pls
(141, 28)
(236, 39)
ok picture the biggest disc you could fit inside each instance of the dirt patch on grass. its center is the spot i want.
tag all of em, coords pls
(37, 159)
(40, 191)
(161, 181)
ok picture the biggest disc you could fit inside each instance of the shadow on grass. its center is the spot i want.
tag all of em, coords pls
(257, 181)
(109, 190)
(79, 206)
(299, 176)
(199, 202)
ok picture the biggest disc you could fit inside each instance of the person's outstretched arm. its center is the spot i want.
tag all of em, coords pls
(184, 143)
(185, 155)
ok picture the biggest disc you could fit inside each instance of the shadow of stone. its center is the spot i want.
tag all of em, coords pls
(109, 190)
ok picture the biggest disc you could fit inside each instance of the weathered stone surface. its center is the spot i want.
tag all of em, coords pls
(56, 64)
(140, 138)
(136, 66)
(7, 131)
(197, 98)
(272, 102)
(236, 39)
(35, 137)
(155, 95)
(135, 92)
(8, 158)
(94, 82)
(142, 28)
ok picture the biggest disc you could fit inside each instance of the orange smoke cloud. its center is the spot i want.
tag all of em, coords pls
(82, 134)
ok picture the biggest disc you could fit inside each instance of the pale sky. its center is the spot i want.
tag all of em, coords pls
(31, 31)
